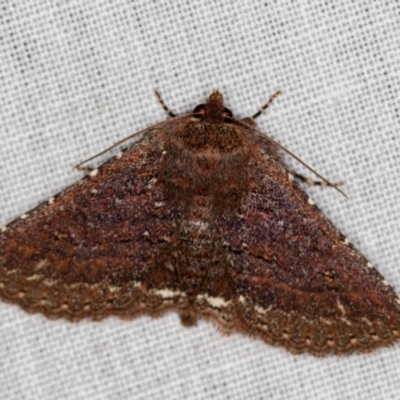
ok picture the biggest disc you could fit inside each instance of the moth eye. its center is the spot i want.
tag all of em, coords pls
(198, 111)
(227, 115)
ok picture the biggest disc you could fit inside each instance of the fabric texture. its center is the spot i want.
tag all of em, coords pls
(76, 77)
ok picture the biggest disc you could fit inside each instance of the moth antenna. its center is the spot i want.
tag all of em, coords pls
(119, 142)
(308, 167)
(298, 159)
(163, 105)
(108, 148)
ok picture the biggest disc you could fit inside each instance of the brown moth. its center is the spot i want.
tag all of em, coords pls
(203, 217)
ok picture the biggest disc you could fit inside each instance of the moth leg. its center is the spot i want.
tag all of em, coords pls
(311, 182)
(163, 105)
(84, 168)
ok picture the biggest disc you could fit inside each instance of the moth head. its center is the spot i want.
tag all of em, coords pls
(213, 110)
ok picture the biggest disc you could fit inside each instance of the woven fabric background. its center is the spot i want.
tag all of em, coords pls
(77, 76)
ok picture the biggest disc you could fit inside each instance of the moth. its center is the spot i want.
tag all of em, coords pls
(200, 216)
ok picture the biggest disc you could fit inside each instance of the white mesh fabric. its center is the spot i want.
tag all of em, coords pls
(77, 76)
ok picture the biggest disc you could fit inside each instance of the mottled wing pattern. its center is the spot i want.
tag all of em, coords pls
(299, 283)
(92, 250)
(202, 216)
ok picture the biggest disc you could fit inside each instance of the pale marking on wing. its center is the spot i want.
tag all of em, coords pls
(216, 302)
(369, 265)
(340, 306)
(4, 228)
(49, 282)
(10, 272)
(77, 285)
(40, 265)
(51, 200)
(201, 224)
(262, 310)
(34, 277)
(310, 202)
(94, 172)
(367, 321)
(346, 321)
(169, 266)
(23, 216)
(166, 293)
